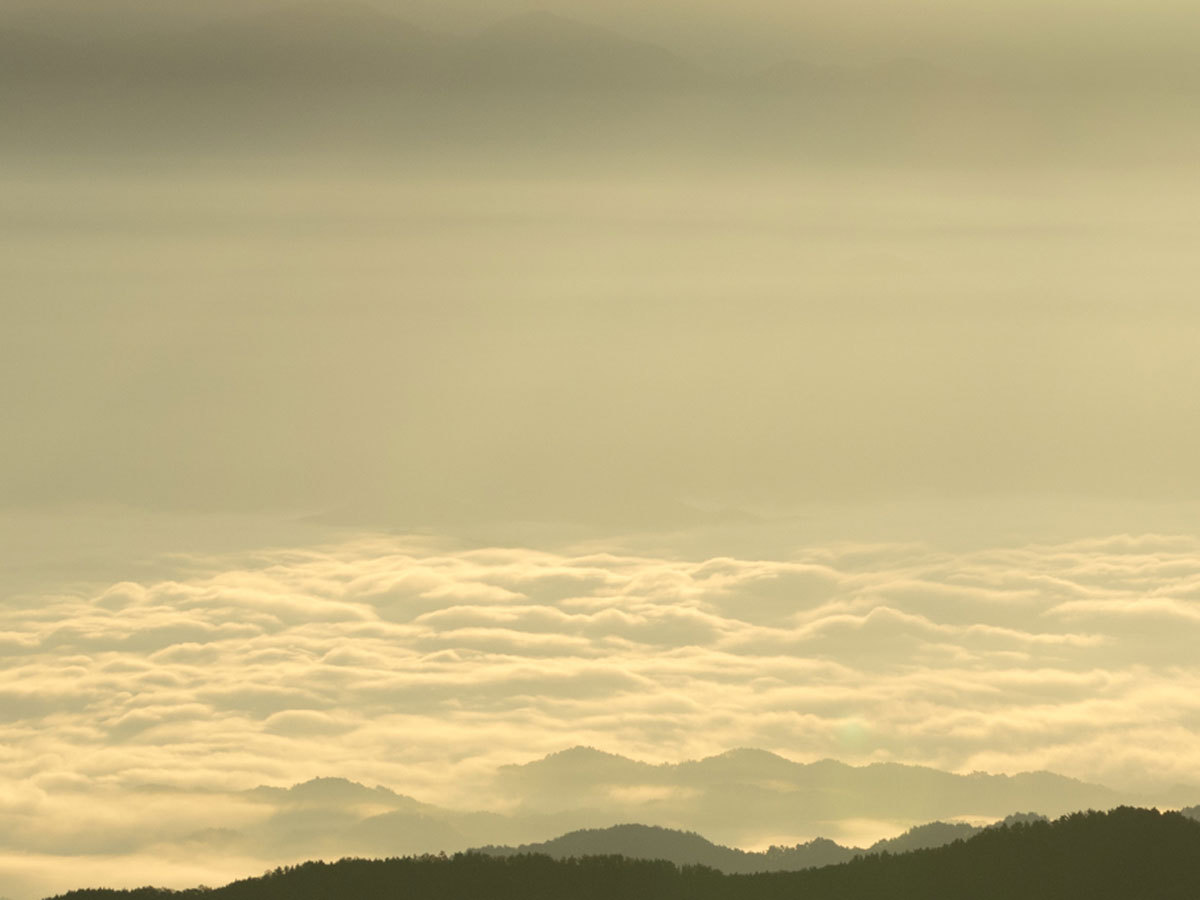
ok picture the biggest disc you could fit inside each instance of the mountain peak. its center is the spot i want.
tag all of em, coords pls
(332, 791)
(333, 787)
(581, 757)
(750, 754)
(581, 752)
(742, 757)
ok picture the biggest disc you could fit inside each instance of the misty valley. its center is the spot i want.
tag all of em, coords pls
(1126, 852)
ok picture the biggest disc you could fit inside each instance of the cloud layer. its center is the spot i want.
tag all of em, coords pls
(416, 665)
(411, 663)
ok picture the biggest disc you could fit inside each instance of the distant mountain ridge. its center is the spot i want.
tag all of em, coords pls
(780, 795)
(337, 790)
(336, 817)
(690, 849)
(582, 799)
(1125, 854)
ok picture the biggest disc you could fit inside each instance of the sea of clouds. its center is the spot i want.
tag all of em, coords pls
(414, 664)
(132, 715)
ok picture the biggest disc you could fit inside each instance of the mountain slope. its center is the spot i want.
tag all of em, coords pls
(639, 842)
(1124, 854)
(690, 849)
(750, 796)
(681, 848)
(576, 803)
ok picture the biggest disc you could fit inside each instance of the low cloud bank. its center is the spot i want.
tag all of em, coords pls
(142, 708)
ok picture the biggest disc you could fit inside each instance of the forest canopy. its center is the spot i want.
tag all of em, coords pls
(1124, 853)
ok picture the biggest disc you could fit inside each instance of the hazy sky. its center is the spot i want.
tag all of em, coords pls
(403, 464)
(421, 352)
(1015, 31)
(825, 461)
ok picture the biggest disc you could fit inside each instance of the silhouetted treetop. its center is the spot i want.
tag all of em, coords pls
(1125, 854)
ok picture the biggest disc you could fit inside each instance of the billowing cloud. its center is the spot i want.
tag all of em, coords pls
(423, 667)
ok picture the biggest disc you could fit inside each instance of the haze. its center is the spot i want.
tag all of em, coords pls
(402, 392)
(1015, 33)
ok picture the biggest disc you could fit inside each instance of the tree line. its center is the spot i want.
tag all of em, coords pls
(1124, 854)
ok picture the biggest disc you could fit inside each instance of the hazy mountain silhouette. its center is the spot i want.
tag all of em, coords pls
(341, 791)
(578, 766)
(722, 795)
(685, 848)
(1123, 854)
(335, 816)
(737, 799)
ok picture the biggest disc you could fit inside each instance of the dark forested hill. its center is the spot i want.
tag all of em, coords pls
(683, 848)
(1123, 854)
(686, 848)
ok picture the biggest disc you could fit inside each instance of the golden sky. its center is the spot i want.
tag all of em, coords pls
(401, 441)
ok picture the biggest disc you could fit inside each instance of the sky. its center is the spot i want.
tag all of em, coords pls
(404, 480)
(1005, 33)
(401, 456)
